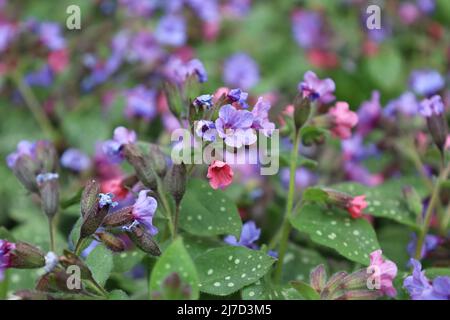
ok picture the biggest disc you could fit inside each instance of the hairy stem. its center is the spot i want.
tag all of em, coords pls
(51, 231)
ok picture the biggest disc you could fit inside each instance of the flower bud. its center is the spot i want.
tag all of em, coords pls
(112, 242)
(49, 192)
(356, 280)
(93, 220)
(89, 198)
(175, 181)
(433, 111)
(119, 218)
(141, 164)
(334, 286)
(354, 205)
(143, 240)
(25, 170)
(318, 278)
(26, 256)
(302, 110)
(70, 259)
(46, 156)
(56, 281)
(157, 159)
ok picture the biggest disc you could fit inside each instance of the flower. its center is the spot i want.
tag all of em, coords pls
(220, 174)
(206, 130)
(40, 78)
(420, 288)
(406, 104)
(240, 70)
(239, 96)
(368, 113)
(140, 103)
(178, 71)
(303, 177)
(8, 33)
(106, 199)
(432, 106)
(343, 120)
(113, 148)
(116, 187)
(75, 160)
(426, 81)
(261, 117)
(430, 243)
(24, 148)
(141, 8)
(235, 126)
(58, 60)
(143, 47)
(144, 209)
(249, 235)
(51, 36)
(308, 29)
(44, 177)
(203, 100)
(386, 270)
(356, 206)
(171, 30)
(314, 88)
(5, 256)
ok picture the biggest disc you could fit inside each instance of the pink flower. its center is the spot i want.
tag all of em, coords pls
(386, 270)
(58, 60)
(343, 120)
(220, 174)
(356, 206)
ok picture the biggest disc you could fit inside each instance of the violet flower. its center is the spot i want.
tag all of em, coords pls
(239, 96)
(40, 78)
(205, 100)
(51, 35)
(431, 107)
(8, 33)
(430, 243)
(426, 81)
(206, 130)
(421, 288)
(75, 160)
(5, 256)
(143, 211)
(406, 104)
(368, 113)
(113, 148)
(241, 71)
(308, 29)
(140, 103)
(249, 235)
(171, 30)
(261, 117)
(178, 71)
(315, 89)
(143, 48)
(24, 148)
(235, 126)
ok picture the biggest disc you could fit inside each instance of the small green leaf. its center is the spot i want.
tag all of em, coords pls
(355, 239)
(175, 259)
(315, 195)
(305, 290)
(117, 295)
(208, 212)
(227, 269)
(100, 262)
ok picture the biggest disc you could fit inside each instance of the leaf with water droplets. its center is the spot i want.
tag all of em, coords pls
(175, 259)
(355, 239)
(225, 270)
(208, 212)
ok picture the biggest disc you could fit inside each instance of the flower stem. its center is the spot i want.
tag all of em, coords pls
(79, 246)
(286, 226)
(98, 288)
(175, 222)
(429, 213)
(51, 231)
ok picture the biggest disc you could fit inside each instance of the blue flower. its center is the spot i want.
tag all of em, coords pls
(113, 148)
(249, 235)
(24, 148)
(432, 106)
(51, 35)
(430, 243)
(239, 96)
(140, 103)
(106, 199)
(421, 288)
(203, 100)
(240, 70)
(406, 104)
(235, 126)
(143, 211)
(426, 81)
(171, 30)
(75, 160)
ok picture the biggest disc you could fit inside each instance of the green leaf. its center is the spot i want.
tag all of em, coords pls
(118, 295)
(225, 270)
(385, 201)
(386, 68)
(315, 195)
(298, 263)
(208, 212)
(312, 134)
(100, 262)
(125, 261)
(355, 239)
(261, 290)
(175, 259)
(197, 246)
(437, 272)
(305, 290)
(6, 235)
(394, 239)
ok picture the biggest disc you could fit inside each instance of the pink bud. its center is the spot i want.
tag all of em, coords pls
(343, 120)
(357, 205)
(220, 174)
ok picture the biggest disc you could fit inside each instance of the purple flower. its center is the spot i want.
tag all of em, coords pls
(106, 199)
(239, 96)
(41, 78)
(141, 103)
(354, 148)
(249, 235)
(240, 70)
(238, 8)
(207, 11)
(5, 256)
(426, 6)
(235, 126)
(75, 160)
(368, 113)
(178, 71)
(357, 172)
(50, 35)
(113, 148)
(430, 243)
(24, 148)
(432, 106)
(406, 104)
(420, 288)
(303, 178)
(7, 34)
(261, 117)
(206, 130)
(314, 88)
(142, 8)
(144, 210)
(171, 31)
(205, 100)
(144, 48)
(426, 81)
(308, 29)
